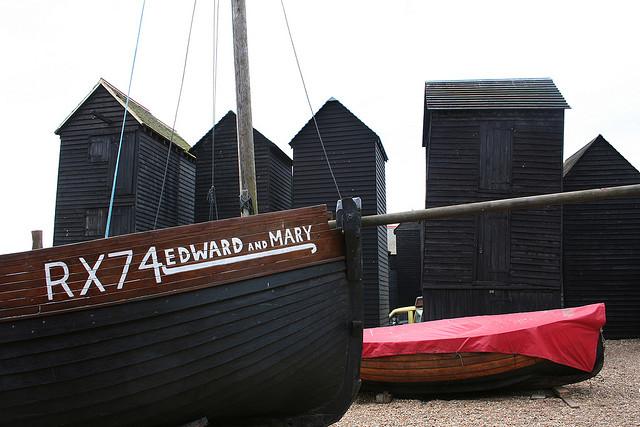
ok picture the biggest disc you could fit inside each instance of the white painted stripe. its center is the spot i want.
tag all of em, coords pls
(232, 260)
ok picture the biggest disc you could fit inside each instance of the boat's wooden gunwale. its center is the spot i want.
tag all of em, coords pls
(222, 225)
(161, 237)
(24, 294)
(111, 269)
(432, 360)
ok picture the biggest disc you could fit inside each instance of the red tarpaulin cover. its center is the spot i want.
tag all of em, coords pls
(567, 336)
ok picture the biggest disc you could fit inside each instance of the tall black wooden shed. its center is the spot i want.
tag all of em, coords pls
(273, 172)
(485, 140)
(602, 239)
(409, 262)
(89, 139)
(358, 160)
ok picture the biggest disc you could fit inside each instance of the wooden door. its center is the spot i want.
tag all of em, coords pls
(493, 235)
(493, 248)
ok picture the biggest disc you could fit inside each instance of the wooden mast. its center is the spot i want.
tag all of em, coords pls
(246, 163)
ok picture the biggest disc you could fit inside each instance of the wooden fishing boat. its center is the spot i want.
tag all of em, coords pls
(243, 321)
(522, 350)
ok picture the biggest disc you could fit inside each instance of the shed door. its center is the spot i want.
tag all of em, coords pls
(493, 247)
(495, 156)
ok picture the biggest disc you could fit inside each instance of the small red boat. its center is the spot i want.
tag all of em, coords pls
(539, 349)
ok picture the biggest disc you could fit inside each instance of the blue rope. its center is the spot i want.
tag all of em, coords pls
(124, 119)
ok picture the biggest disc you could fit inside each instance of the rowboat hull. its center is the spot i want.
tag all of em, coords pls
(279, 347)
(424, 374)
(537, 349)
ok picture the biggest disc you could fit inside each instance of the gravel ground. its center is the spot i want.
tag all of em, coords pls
(612, 398)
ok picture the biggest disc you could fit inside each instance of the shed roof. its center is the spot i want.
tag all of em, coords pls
(232, 116)
(538, 93)
(137, 111)
(333, 101)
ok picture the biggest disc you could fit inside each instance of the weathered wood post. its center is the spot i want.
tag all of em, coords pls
(246, 163)
(36, 239)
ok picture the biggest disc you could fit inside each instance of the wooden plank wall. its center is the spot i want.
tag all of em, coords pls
(409, 262)
(85, 175)
(602, 241)
(273, 172)
(280, 180)
(84, 184)
(358, 161)
(455, 277)
(393, 282)
(178, 198)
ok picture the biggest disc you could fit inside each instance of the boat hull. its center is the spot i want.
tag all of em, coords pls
(243, 321)
(273, 347)
(425, 374)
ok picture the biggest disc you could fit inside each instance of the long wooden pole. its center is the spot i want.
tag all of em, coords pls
(543, 200)
(246, 163)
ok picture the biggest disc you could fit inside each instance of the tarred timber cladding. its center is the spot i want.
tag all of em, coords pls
(358, 160)
(393, 282)
(178, 196)
(273, 172)
(408, 262)
(85, 174)
(602, 240)
(492, 263)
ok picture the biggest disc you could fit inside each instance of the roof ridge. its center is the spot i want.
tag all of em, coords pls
(124, 95)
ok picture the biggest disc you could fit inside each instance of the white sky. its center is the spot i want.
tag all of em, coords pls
(373, 56)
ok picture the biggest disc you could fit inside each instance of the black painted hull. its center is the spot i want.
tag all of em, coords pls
(279, 349)
(544, 374)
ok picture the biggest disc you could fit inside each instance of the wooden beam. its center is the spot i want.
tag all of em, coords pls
(564, 394)
(529, 202)
(246, 163)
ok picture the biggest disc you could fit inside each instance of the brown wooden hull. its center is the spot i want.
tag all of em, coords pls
(421, 374)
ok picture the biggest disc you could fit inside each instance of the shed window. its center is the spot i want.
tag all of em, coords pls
(99, 148)
(95, 222)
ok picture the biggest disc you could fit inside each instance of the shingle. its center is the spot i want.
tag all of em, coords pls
(147, 119)
(539, 93)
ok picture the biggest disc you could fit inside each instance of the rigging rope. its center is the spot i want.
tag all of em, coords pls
(211, 196)
(124, 120)
(175, 117)
(313, 116)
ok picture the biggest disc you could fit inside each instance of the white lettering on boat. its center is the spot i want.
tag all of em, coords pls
(125, 269)
(240, 258)
(62, 282)
(179, 259)
(92, 275)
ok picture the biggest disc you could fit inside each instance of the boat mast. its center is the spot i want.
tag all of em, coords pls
(246, 163)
